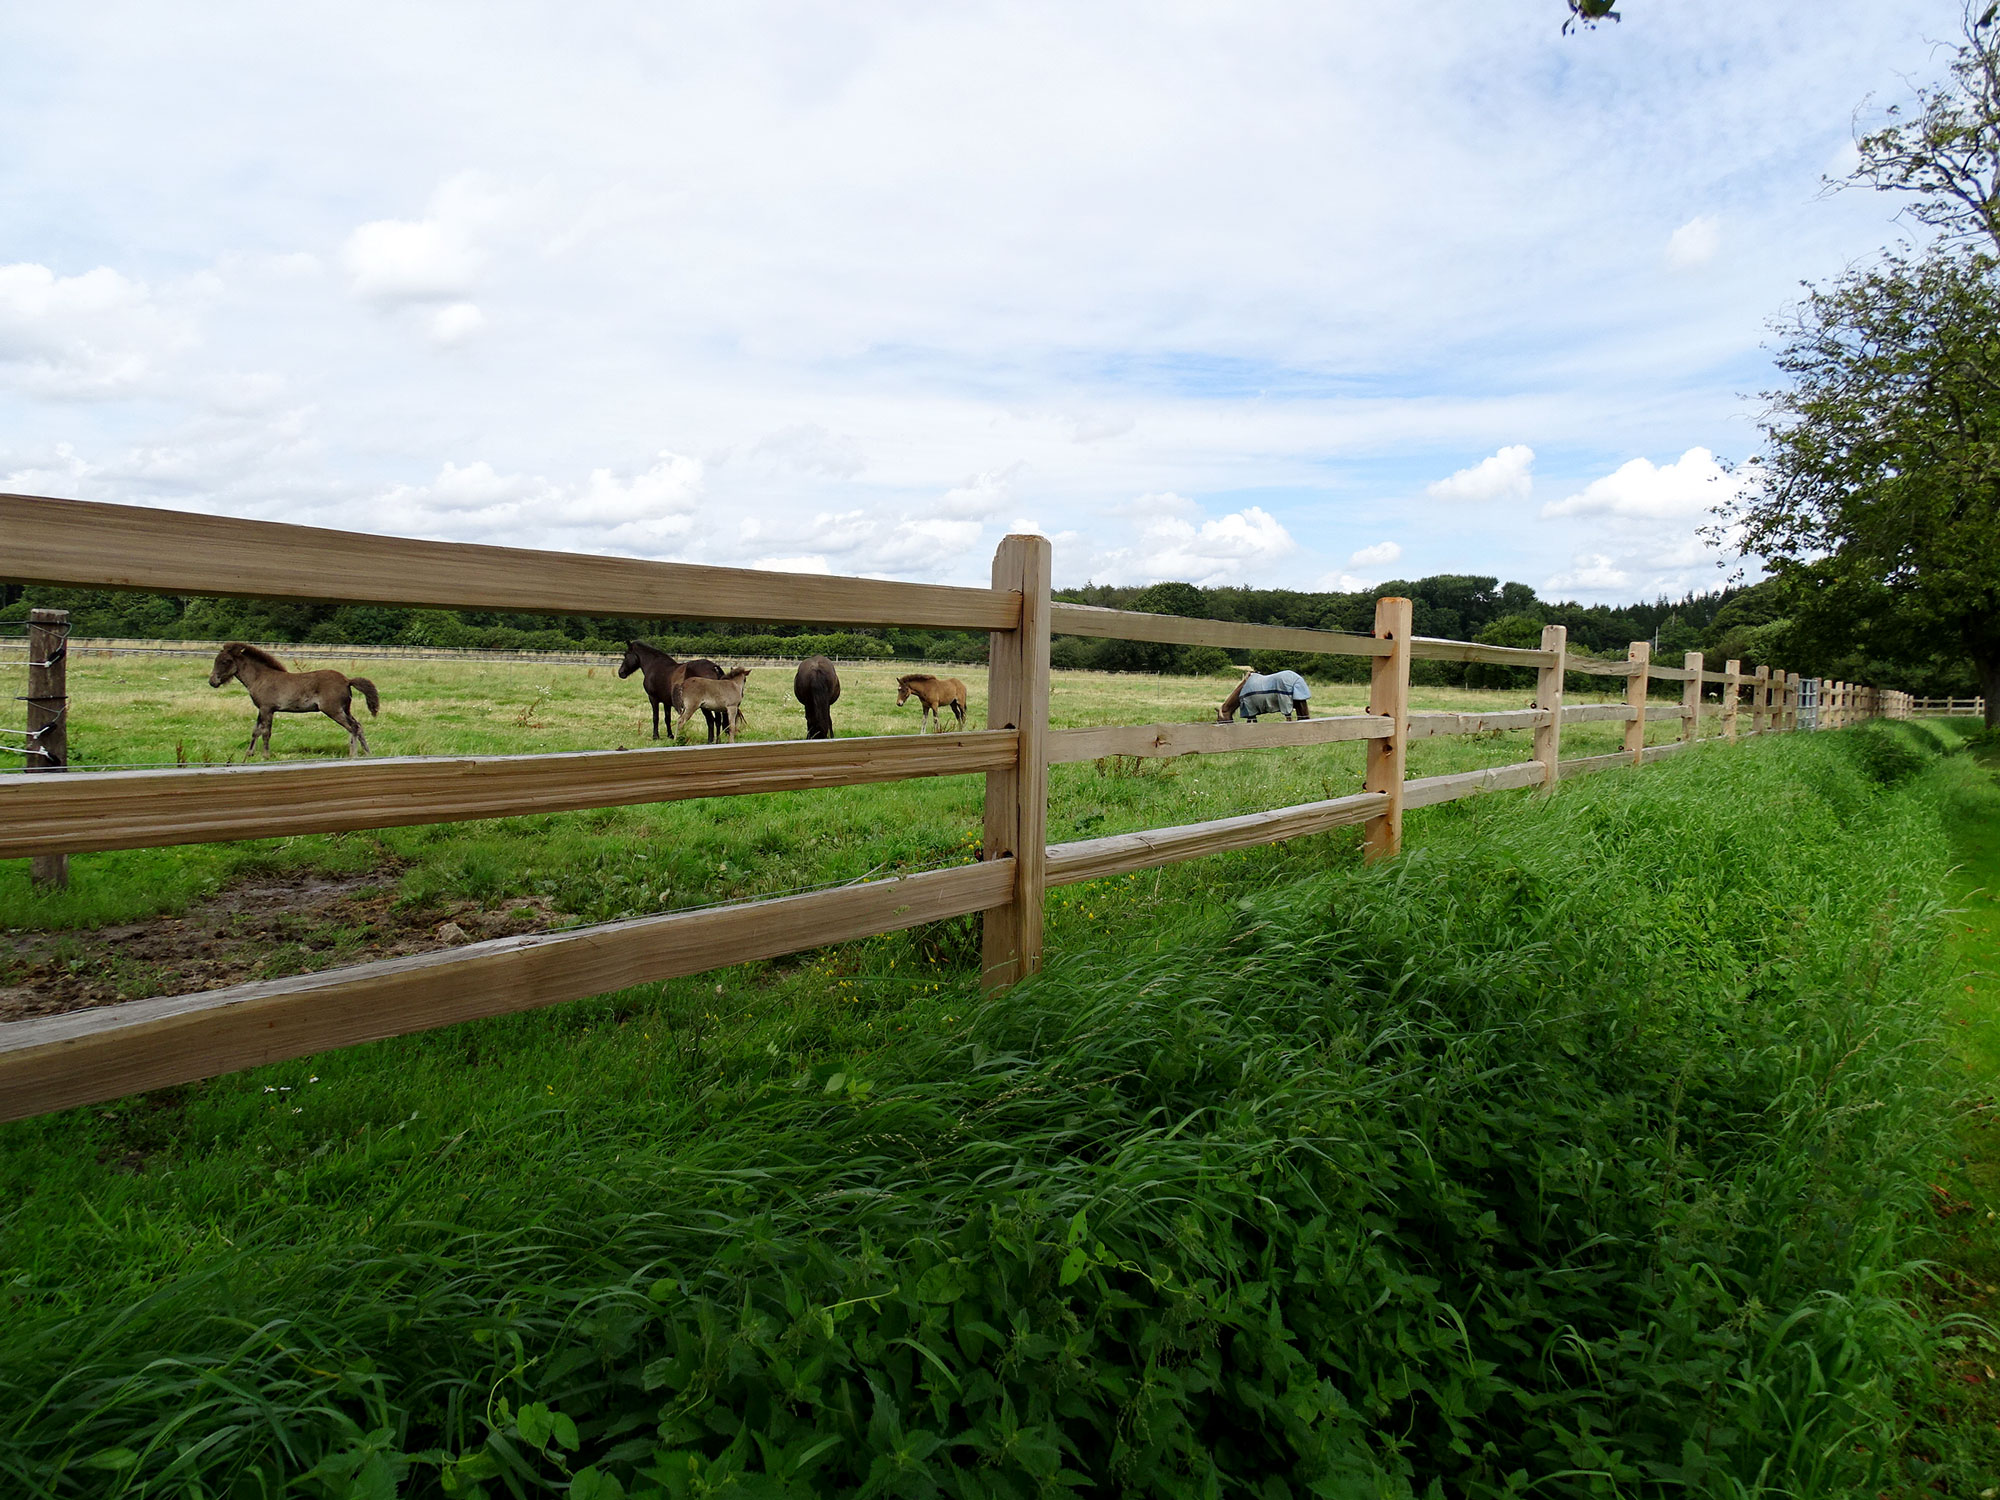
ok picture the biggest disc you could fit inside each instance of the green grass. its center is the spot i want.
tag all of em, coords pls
(1586, 1150)
(601, 865)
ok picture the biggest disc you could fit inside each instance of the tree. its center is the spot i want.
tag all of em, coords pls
(1947, 157)
(1877, 502)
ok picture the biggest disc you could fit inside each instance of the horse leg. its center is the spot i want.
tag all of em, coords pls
(344, 717)
(264, 717)
(656, 717)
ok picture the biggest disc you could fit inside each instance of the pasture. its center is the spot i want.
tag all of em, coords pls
(601, 865)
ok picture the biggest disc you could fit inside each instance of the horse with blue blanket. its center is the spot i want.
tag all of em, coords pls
(1266, 693)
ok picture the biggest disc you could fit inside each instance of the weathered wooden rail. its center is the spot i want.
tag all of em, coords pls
(92, 1055)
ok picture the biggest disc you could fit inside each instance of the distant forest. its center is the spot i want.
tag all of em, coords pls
(1728, 622)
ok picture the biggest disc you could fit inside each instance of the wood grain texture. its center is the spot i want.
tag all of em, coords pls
(1428, 791)
(88, 545)
(1176, 630)
(1123, 853)
(1389, 697)
(92, 1055)
(1658, 673)
(1662, 752)
(1067, 746)
(1732, 697)
(1017, 799)
(1597, 713)
(79, 813)
(1434, 725)
(1691, 696)
(1640, 655)
(1591, 668)
(1431, 648)
(1549, 698)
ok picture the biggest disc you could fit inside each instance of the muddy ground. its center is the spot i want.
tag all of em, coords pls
(264, 928)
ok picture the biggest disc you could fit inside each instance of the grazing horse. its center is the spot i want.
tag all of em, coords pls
(719, 699)
(277, 691)
(1279, 693)
(935, 694)
(817, 687)
(662, 675)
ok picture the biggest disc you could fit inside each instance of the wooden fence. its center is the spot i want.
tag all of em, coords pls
(86, 1056)
(1955, 707)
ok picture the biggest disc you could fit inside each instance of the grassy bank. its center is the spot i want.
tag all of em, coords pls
(1582, 1151)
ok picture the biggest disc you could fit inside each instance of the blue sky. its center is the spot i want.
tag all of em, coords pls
(1306, 295)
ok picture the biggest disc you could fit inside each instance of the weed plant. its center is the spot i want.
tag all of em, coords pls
(1584, 1150)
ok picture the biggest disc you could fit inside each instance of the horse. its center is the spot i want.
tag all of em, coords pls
(277, 691)
(817, 687)
(719, 699)
(1278, 693)
(662, 675)
(934, 693)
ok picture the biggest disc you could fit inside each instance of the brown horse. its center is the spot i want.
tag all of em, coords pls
(935, 694)
(277, 691)
(817, 687)
(662, 676)
(720, 700)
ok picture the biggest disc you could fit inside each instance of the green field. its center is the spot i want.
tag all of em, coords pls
(1589, 1149)
(601, 865)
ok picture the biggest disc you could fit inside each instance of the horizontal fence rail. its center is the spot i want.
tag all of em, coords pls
(133, 547)
(91, 1055)
(151, 809)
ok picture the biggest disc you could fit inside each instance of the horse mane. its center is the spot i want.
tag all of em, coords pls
(915, 677)
(256, 653)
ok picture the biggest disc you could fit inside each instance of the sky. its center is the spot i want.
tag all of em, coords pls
(1307, 295)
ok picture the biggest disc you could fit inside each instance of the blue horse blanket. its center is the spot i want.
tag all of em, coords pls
(1271, 693)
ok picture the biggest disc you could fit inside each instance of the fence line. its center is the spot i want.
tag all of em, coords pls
(82, 1057)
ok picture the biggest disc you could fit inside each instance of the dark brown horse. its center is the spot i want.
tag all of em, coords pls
(934, 694)
(277, 691)
(662, 675)
(817, 687)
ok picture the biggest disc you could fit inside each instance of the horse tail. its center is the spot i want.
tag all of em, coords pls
(367, 690)
(958, 704)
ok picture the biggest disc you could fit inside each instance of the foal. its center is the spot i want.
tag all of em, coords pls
(277, 691)
(933, 694)
(719, 699)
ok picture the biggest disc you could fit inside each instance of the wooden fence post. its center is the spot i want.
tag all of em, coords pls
(1691, 698)
(1640, 655)
(1732, 697)
(1389, 696)
(1549, 696)
(1790, 719)
(48, 718)
(1017, 801)
(1760, 696)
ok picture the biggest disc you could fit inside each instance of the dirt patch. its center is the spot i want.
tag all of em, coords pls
(263, 928)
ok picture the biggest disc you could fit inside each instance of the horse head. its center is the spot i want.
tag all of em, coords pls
(902, 694)
(632, 663)
(226, 661)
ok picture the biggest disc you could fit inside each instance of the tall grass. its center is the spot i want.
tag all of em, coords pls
(1584, 1150)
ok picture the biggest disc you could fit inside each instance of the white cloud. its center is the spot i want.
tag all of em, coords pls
(1591, 573)
(1242, 547)
(1686, 489)
(1695, 243)
(807, 564)
(456, 322)
(647, 514)
(980, 498)
(1507, 475)
(1378, 556)
(399, 260)
(97, 334)
(810, 448)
